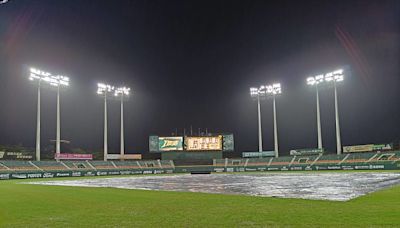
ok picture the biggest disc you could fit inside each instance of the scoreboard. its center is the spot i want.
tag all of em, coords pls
(203, 143)
(218, 142)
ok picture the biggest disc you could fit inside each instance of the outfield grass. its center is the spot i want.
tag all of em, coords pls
(24, 205)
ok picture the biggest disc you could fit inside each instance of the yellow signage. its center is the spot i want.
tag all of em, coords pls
(203, 143)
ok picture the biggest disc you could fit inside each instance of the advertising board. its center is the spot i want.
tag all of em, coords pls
(358, 148)
(153, 144)
(9, 155)
(124, 157)
(170, 143)
(367, 148)
(308, 151)
(66, 156)
(383, 147)
(228, 142)
(203, 143)
(258, 154)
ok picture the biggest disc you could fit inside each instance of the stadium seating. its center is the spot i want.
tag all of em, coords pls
(49, 165)
(3, 167)
(19, 165)
(305, 160)
(281, 161)
(331, 159)
(127, 164)
(167, 164)
(258, 161)
(149, 164)
(78, 165)
(102, 164)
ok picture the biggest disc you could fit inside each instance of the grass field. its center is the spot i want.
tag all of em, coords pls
(24, 205)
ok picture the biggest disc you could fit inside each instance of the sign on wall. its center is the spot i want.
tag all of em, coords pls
(229, 144)
(210, 143)
(358, 148)
(65, 156)
(153, 143)
(258, 154)
(170, 143)
(124, 157)
(9, 155)
(308, 151)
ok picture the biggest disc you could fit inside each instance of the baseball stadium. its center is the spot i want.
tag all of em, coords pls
(193, 185)
(198, 113)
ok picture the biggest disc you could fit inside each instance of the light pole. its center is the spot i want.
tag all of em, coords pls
(122, 91)
(336, 76)
(57, 81)
(274, 90)
(61, 81)
(255, 93)
(104, 89)
(315, 81)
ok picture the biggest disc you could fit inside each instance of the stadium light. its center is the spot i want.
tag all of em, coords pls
(272, 91)
(331, 77)
(122, 91)
(263, 92)
(53, 80)
(336, 76)
(314, 81)
(256, 93)
(104, 89)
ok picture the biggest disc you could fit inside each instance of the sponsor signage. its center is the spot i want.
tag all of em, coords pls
(383, 147)
(204, 143)
(258, 154)
(153, 144)
(4, 176)
(170, 143)
(309, 151)
(65, 156)
(124, 157)
(9, 155)
(228, 142)
(367, 148)
(358, 148)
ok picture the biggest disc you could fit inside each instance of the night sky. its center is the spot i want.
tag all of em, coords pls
(193, 62)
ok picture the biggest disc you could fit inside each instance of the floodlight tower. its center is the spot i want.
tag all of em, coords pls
(256, 93)
(336, 76)
(104, 89)
(272, 91)
(314, 81)
(57, 81)
(122, 91)
(38, 75)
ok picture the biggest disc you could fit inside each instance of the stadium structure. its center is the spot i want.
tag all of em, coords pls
(203, 154)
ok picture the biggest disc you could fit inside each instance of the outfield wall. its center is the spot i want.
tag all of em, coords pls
(50, 169)
(86, 173)
(189, 169)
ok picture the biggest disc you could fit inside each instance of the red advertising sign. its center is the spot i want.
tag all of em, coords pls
(73, 156)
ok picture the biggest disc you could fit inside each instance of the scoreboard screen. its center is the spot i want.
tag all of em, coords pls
(203, 143)
(170, 143)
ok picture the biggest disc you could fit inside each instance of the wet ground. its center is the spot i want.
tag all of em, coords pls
(318, 186)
